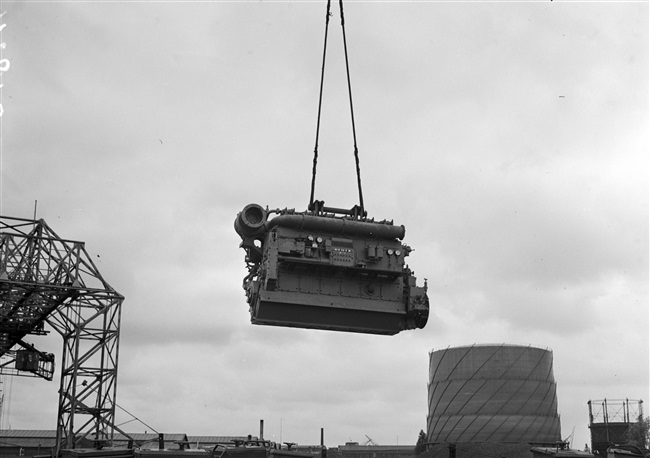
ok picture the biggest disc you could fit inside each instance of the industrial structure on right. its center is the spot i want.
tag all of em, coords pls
(492, 393)
(610, 421)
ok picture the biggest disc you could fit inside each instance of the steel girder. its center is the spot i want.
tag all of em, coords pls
(44, 278)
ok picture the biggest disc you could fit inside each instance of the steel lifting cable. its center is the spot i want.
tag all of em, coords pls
(320, 102)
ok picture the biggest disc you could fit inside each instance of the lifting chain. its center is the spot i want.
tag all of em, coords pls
(320, 102)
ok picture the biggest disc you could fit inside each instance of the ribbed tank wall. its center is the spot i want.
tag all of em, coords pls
(492, 393)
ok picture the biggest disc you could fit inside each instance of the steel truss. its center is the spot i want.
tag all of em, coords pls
(44, 278)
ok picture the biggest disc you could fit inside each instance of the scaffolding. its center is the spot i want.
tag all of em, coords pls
(46, 279)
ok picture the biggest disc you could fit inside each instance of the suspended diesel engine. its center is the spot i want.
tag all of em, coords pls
(322, 271)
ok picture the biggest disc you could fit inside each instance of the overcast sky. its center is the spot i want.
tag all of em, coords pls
(509, 138)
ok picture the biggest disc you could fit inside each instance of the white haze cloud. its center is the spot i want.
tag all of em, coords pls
(510, 138)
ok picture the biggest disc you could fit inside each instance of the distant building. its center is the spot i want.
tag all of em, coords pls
(492, 394)
(544, 452)
(500, 450)
(315, 450)
(27, 443)
(354, 450)
(610, 420)
(478, 450)
(30, 443)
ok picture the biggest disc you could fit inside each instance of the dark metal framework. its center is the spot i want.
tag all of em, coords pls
(44, 278)
(615, 410)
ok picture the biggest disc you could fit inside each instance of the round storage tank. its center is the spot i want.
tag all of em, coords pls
(492, 393)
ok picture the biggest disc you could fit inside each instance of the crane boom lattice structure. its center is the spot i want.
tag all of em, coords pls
(44, 278)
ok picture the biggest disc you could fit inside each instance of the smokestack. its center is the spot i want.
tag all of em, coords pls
(261, 430)
(323, 449)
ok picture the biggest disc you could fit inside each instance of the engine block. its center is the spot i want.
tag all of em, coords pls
(322, 271)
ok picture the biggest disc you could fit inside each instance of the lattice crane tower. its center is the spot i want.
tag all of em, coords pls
(44, 278)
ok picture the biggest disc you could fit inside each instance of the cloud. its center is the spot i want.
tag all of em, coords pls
(510, 140)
